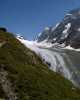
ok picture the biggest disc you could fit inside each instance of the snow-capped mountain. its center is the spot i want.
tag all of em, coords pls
(67, 31)
(59, 46)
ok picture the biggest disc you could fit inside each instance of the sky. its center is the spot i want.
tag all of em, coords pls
(30, 17)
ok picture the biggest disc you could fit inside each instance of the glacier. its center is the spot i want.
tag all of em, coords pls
(57, 59)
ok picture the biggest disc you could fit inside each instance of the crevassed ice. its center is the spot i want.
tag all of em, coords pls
(53, 56)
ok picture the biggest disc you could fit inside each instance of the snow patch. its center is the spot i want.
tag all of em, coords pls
(39, 34)
(30, 44)
(67, 28)
(69, 14)
(46, 28)
(79, 29)
(55, 26)
(70, 48)
(65, 32)
(54, 39)
(19, 36)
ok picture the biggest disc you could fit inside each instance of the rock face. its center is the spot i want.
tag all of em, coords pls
(6, 85)
(67, 31)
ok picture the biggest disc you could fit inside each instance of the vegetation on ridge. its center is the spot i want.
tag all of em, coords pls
(30, 78)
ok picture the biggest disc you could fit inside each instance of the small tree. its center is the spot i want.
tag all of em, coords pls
(3, 29)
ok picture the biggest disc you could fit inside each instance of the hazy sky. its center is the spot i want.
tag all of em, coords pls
(29, 17)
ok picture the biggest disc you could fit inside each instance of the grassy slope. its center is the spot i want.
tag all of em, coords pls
(32, 79)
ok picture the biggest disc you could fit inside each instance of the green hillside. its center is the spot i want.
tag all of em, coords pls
(26, 76)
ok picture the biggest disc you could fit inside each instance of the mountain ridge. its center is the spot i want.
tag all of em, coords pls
(59, 46)
(66, 32)
(30, 78)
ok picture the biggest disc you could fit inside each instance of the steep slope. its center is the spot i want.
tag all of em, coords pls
(59, 46)
(26, 77)
(61, 60)
(66, 32)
